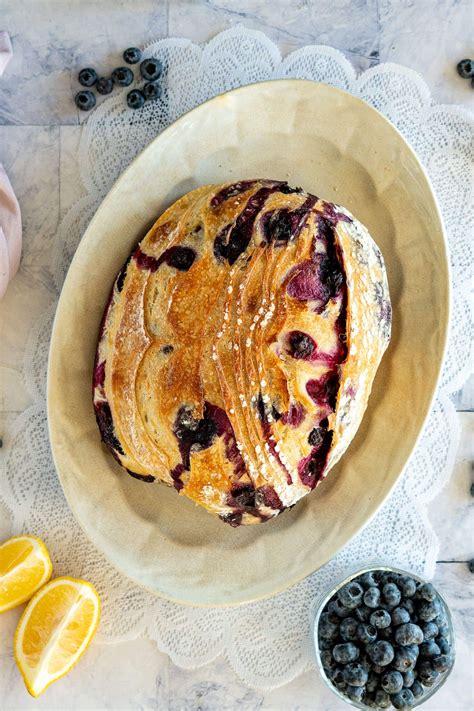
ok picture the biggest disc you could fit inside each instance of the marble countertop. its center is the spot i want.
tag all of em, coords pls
(39, 133)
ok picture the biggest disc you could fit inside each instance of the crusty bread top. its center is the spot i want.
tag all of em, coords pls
(239, 346)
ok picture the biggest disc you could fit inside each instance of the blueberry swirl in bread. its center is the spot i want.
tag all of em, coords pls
(239, 345)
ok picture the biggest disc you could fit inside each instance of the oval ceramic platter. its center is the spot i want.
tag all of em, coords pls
(334, 146)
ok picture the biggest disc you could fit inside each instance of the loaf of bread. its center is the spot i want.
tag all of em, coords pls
(239, 345)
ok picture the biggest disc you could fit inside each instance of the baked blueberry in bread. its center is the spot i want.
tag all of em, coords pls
(239, 345)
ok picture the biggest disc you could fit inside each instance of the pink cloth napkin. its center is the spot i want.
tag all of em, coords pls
(10, 216)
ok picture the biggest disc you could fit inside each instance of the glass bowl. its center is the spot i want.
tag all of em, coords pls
(325, 599)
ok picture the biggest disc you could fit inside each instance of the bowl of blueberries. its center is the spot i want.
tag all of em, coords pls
(384, 639)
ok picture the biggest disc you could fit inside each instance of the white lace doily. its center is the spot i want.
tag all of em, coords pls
(267, 643)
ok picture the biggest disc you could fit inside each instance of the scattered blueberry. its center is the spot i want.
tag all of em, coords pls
(328, 628)
(408, 634)
(151, 69)
(426, 674)
(345, 653)
(400, 616)
(392, 594)
(403, 700)
(381, 652)
(152, 91)
(372, 597)
(441, 663)
(408, 678)
(366, 633)
(466, 68)
(429, 649)
(348, 630)
(404, 659)
(407, 586)
(380, 619)
(123, 76)
(392, 682)
(132, 55)
(87, 77)
(427, 592)
(104, 85)
(350, 595)
(382, 699)
(355, 675)
(135, 99)
(85, 100)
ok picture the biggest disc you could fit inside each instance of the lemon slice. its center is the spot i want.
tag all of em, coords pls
(25, 566)
(55, 630)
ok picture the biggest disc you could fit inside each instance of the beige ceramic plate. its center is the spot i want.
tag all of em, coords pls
(336, 147)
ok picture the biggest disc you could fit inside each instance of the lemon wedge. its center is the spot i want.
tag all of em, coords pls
(55, 630)
(25, 566)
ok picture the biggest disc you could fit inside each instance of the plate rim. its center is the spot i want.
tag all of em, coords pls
(448, 319)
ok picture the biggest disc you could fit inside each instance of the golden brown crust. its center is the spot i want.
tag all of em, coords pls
(240, 345)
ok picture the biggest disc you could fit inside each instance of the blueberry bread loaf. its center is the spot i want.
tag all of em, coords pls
(239, 345)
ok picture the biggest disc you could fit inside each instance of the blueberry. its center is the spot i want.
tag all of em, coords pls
(132, 55)
(356, 693)
(151, 69)
(328, 626)
(465, 68)
(404, 659)
(366, 633)
(429, 649)
(428, 611)
(372, 597)
(345, 653)
(85, 100)
(336, 676)
(430, 631)
(400, 616)
(381, 652)
(408, 678)
(373, 681)
(392, 681)
(365, 662)
(135, 99)
(444, 645)
(123, 76)
(350, 595)
(407, 586)
(325, 644)
(386, 633)
(348, 629)
(104, 85)
(426, 674)
(441, 663)
(380, 619)
(403, 700)
(409, 605)
(355, 675)
(87, 77)
(338, 609)
(382, 699)
(413, 648)
(392, 594)
(327, 660)
(408, 634)
(417, 689)
(152, 91)
(389, 576)
(428, 592)
(363, 613)
(369, 580)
